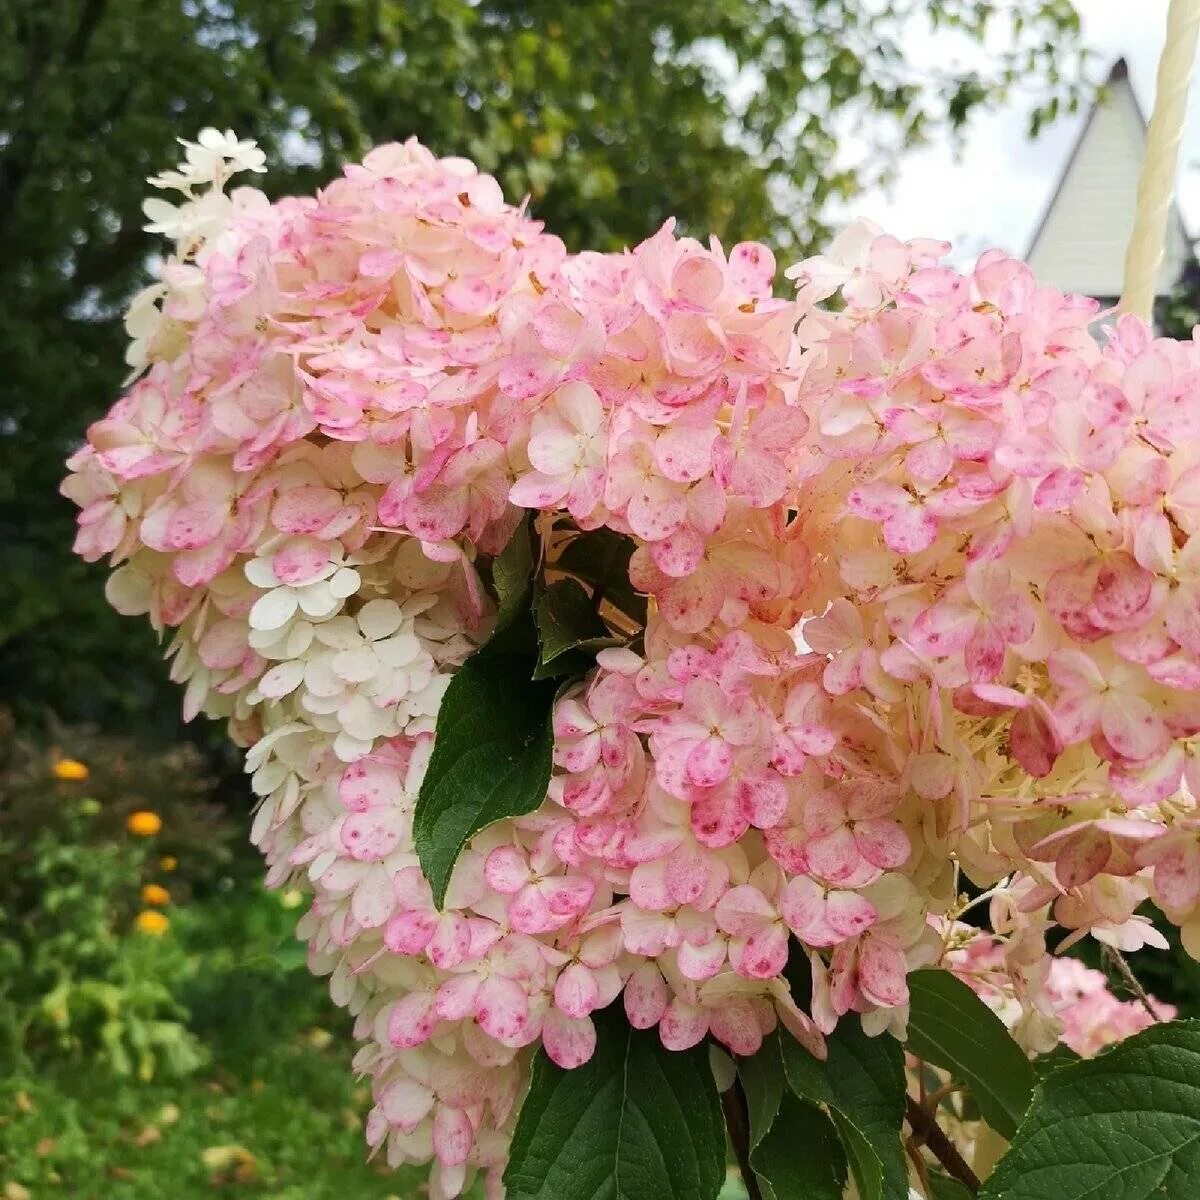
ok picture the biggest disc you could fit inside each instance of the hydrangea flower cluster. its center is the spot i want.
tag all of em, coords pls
(921, 604)
(1076, 1005)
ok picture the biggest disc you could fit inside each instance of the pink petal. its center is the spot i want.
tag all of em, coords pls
(373, 902)
(502, 1008)
(764, 954)
(405, 1103)
(743, 910)
(709, 763)
(682, 1025)
(645, 996)
(802, 905)
(835, 856)
(701, 961)
(688, 872)
(1133, 728)
(943, 629)
(849, 914)
(569, 1041)
(762, 798)
(506, 870)
(1177, 877)
(882, 843)
(456, 997)
(881, 972)
(984, 653)
(824, 812)
(736, 1025)
(372, 835)
(409, 932)
(453, 1135)
(575, 991)
(1084, 856)
(1034, 740)
(567, 896)
(412, 1020)
(1122, 590)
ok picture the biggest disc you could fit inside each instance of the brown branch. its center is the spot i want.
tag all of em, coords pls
(737, 1121)
(1117, 961)
(943, 1149)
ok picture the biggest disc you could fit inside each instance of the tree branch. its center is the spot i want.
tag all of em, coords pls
(737, 1121)
(1118, 962)
(943, 1149)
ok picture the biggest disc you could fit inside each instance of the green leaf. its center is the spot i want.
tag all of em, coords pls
(800, 1157)
(512, 583)
(942, 1187)
(794, 1148)
(491, 759)
(636, 1122)
(862, 1085)
(950, 1026)
(1122, 1126)
(569, 630)
(1061, 1056)
(601, 557)
(764, 1084)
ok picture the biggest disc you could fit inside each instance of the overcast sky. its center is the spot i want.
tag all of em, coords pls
(993, 194)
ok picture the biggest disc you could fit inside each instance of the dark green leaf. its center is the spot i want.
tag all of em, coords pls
(601, 558)
(636, 1122)
(569, 630)
(950, 1026)
(800, 1158)
(491, 759)
(1122, 1126)
(1061, 1056)
(512, 583)
(763, 1082)
(942, 1187)
(794, 1148)
(862, 1085)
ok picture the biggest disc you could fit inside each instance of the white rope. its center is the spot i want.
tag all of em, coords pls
(1156, 188)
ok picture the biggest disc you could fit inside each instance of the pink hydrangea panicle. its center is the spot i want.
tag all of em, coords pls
(919, 558)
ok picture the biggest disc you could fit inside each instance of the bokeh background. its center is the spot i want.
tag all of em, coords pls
(159, 1035)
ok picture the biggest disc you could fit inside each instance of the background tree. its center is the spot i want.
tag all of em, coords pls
(609, 114)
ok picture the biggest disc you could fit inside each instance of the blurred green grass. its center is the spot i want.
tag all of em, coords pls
(202, 1061)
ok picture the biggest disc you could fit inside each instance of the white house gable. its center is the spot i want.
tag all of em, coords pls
(1080, 244)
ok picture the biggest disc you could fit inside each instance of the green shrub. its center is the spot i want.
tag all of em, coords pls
(89, 972)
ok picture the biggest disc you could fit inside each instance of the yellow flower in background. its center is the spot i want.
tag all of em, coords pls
(69, 770)
(143, 823)
(155, 895)
(153, 923)
(168, 863)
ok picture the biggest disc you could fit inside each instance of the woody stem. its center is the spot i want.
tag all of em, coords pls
(922, 1122)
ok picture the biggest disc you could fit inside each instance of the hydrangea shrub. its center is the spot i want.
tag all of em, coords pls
(632, 660)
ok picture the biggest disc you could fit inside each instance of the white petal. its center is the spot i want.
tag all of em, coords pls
(340, 633)
(299, 639)
(350, 749)
(357, 665)
(318, 600)
(260, 573)
(380, 618)
(282, 679)
(399, 651)
(344, 582)
(273, 610)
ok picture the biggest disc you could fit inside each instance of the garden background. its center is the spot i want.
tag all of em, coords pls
(159, 1034)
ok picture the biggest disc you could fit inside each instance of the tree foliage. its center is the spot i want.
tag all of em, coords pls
(609, 115)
